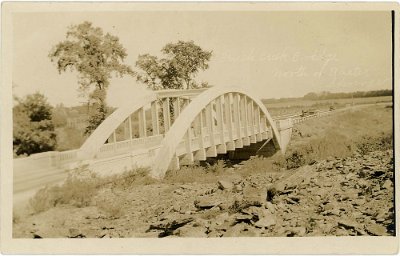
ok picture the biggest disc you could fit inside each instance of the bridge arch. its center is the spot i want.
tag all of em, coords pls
(166, 101)
(224, 110)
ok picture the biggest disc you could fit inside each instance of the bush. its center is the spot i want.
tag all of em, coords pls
(82, 185)
(77, 190)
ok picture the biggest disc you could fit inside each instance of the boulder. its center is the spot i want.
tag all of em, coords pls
(225, 185)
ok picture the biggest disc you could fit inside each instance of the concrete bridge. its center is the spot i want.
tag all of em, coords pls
(165, 130)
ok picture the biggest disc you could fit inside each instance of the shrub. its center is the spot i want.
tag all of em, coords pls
(82, 185)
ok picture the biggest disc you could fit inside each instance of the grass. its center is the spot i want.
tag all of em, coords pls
(196, 173)
(340, 135)
(83, 185)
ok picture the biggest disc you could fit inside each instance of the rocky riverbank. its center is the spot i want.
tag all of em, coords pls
(336, 196)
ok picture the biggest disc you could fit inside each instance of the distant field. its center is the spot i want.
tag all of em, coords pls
(296, 106)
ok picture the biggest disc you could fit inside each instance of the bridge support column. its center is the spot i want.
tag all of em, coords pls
(228, 113)
(166, 115)
(251, 119)
(128, 129)
(188, 158)
(221, 148)
(236, 113)
(200, 154)
(212, 150)
(174, 165)
(264, 131)
(177, 108)
(245, 121)
(142, 123)
(258, 125)
(154, 118)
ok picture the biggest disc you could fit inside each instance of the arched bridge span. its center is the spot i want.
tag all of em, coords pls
(167, 129)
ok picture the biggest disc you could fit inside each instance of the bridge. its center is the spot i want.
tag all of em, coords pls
(165, 130)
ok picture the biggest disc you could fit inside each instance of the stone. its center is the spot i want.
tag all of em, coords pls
(206, 203)
(265, 222)
(220, 219)
(377, 173)
(376, 229)
(348, 224)
(243, 217)
(237, 188)
(387, 184)
(270, 207)
(299, 231)
(329, 206)
(169, 225)
(190, 231)
(225, 185)
(75, 233)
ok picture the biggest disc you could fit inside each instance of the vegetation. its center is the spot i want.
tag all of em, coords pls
(330, 96)
(177, 70)
(95, 56)
(82, 186)
(360, 131)
(342, 95)
(33, 128)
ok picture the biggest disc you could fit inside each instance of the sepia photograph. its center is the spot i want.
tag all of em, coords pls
(179, 121)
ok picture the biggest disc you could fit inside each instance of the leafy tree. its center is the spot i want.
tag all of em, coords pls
(96, 57)
(33, 130)
(177, 70)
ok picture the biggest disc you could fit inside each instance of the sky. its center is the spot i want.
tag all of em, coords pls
(272, 53)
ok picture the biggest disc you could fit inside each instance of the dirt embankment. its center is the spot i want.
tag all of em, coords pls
(347, 191)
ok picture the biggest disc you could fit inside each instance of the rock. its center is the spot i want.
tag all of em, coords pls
(348, 224)
(376, 229)
(220, 219)
(206, 203)
(387, 184)
(225, 185)
(270, 207)
(243, 217)
(265, 222)
(377, 173)
(75, 233)
(168, 226)
(190, 231)
(298, 231)
(358, 202)
(237, 188)
(36, 236)
(329, 206)
(290, 201)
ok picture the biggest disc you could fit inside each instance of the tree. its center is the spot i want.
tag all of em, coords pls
(96, 57)
(177, 71)
(33, 130)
